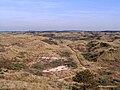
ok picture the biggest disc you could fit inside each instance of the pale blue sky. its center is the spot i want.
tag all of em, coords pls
(59, 14)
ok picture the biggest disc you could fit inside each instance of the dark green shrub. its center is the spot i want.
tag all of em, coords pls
(75, 88)
(86, 77)
(90, 57)
(48, 35)
(105, 73)
(92, 44)
(104, 44)
(104, 81)
(51, 42)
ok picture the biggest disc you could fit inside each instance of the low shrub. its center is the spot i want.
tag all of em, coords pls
(51, 42)
(11, 65)
(65, 53)
(104, 44)
(86, 77)
(70, 63)
(48, 35)
(38, 73)
(54, 64)
(90, 57)
(105, 72)
(104, 81)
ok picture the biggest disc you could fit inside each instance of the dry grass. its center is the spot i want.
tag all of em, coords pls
(79, 50)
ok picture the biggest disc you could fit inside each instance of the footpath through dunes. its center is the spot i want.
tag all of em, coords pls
(78, 58)
(55, 64)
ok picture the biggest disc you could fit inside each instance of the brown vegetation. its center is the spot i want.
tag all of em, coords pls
(24, 56)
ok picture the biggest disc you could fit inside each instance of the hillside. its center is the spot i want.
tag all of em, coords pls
(49, 60)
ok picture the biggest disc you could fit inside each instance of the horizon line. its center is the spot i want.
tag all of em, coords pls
(60, 30)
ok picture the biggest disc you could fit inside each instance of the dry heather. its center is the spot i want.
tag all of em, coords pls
(30, 60)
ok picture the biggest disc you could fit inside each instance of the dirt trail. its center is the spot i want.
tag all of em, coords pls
(78, 61)
(77, 56)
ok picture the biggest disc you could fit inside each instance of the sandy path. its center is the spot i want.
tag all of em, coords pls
(57, 69)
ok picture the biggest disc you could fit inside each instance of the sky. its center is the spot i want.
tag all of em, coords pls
(59, 15)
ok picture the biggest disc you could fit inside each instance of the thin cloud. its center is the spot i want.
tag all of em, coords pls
(59, 13)
(30, 3)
